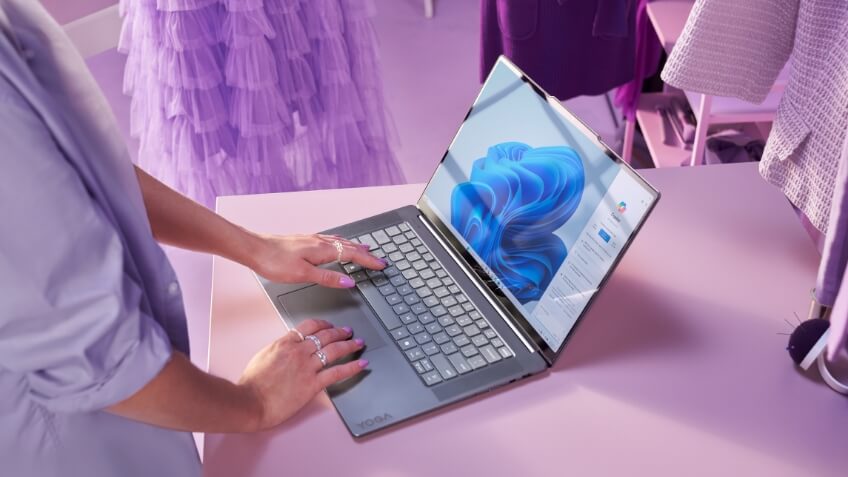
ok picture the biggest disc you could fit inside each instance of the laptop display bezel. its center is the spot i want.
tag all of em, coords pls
(488, 283)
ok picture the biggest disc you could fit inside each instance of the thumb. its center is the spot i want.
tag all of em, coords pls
(328, 278)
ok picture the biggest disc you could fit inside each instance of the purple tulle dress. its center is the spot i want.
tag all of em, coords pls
(253, 96)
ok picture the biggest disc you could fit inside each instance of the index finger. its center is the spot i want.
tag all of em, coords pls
(361, 257)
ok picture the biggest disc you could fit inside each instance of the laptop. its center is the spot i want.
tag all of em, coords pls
(491, 271)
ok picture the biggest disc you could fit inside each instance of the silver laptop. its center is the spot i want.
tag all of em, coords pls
(489, 274)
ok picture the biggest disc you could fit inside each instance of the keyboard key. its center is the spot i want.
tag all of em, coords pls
(482, 324)
(440, 272)
(372, 274)
(380, 237)
(352, 267)
(443, 366)
(447, 281)
(464, 320)
(389, 247)
(406, 343)
(441, 338)
(415, 327)
(386, 290)
(431, 301)
(448, 301)
(423, 292)
(359, 276)
(505, 352)
(461, 340)
(406, 248)
(497, 343)
(432, 378)
(416, 241)
(392, 231)
(428, 256)
(489, 333)
(379, 253)
(409, 274)
(471, 330)
(399, 333)
(416, 282)
(422, 250)
(430, 348)
(479, 341)
(408, 318)
(449, 348)
(391, 271)
(427, 274)
(395, 256)
(446, 320)
(411, 299)
(397, 280)
(428, 366)
(433, 328)
(477, 362)
(422, 338)
(434, 283)
(410, 234)
(490, 354)
(455, 311)
(440, 291)
(394, 299)
(418, 308)
(419, 368)
(438, 310)
(453, 288)
(462, 299)
(414, 354)
(399, 239)
(475, 315)
(368, 240)
(459, 363)
(453, 330)
(413, 257)
(467, 306)
(437, 266)
(426, 318)
(401, 308)
(404, 290)
(402, 265)
(419, 264)
(403, 226)
(468, 351)
(380, 281)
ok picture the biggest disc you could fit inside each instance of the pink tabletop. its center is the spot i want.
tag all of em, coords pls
(677, 369)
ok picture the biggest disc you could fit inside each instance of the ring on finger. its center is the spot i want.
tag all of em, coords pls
(323, 357)
(314, 339)
(339, 248)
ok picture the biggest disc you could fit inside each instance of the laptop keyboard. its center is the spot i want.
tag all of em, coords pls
(435, 325)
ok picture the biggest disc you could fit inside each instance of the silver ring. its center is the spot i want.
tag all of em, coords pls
(323, 357)
(298, 333)
(314, 339)
(339, 249)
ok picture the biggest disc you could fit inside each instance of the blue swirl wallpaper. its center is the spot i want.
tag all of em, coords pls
(508, 210)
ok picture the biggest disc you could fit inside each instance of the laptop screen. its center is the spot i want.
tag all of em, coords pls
(536, 199)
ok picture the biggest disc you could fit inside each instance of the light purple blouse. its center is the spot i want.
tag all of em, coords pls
(90, 309)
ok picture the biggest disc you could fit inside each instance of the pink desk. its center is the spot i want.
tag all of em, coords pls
(677, 370)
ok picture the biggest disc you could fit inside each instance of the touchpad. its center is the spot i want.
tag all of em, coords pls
(341, 307)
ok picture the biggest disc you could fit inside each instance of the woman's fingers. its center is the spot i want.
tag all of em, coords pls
(340, 372)
(351, 252)
(331, 335)
(310, 327)
(328, 278)
(338, 350)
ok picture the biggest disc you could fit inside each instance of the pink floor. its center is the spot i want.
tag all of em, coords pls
(430, 71)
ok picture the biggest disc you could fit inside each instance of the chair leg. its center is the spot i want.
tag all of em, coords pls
(429, 8)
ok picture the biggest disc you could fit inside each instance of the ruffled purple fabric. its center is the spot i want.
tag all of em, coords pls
(254, 96)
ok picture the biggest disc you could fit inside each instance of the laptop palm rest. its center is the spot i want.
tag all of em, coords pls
(338, 306)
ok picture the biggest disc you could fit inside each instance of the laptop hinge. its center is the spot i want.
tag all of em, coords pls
(486, 294)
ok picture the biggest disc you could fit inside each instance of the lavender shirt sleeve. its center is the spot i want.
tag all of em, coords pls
(71, 319)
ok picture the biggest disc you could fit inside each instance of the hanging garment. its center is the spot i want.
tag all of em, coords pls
(569, 47)
(252, 96)
(733, 48)
(832, 286)
(648, 51)
(91, 309)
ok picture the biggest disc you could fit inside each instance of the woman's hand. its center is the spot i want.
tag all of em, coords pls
(295, 259)
(285, 375)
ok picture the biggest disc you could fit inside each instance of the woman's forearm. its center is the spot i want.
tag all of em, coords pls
(177, 220)
(184, 398)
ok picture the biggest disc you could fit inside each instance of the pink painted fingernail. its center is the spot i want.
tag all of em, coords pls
(347, 329)
(365, 246)
(359, 341)
(383, 261)
(363, 363)
(346, 282)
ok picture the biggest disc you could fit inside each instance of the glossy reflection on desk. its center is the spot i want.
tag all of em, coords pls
(676, 370)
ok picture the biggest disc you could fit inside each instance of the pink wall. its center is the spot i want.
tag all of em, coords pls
(65, 11)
